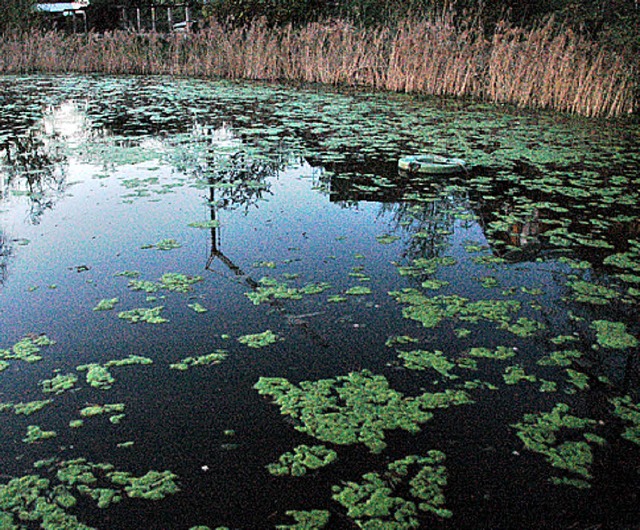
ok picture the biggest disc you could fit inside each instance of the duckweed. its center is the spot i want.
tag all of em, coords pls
(421, 360)
(106, 304)
(36, 434)
(356, 408)
(613, 335)
(375, 503)
(59, 384)
(150, 315)
(204, 360)
(306, 520)
(259, 340)
(540, 431)
(302, 459)
(628, 411)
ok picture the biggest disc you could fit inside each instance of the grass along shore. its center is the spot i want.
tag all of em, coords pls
(545, 67)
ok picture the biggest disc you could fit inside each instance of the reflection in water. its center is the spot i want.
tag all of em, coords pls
(345, 223)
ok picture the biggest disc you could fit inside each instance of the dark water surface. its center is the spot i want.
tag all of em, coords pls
(533, 252)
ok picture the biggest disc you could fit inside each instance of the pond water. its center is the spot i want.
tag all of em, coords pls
(221, 305)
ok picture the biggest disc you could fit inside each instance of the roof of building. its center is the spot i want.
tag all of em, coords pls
(61, 7)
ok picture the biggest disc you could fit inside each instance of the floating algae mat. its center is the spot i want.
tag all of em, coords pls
(220, 295)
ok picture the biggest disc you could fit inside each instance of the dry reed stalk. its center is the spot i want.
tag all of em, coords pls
(545, 67)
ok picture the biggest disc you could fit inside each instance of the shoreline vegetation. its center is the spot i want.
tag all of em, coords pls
(546, 67)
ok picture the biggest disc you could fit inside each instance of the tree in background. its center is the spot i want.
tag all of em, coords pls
(18, 15)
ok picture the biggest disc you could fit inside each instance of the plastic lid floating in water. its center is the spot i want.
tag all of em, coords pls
(431, 164)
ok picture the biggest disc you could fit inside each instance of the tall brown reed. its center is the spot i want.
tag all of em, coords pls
(545, 67)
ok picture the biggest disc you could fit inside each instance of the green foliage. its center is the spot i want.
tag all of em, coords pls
(421, 360)
(628, 411)
(18, 15)
(356, 408)
(106, 304)
(430, 311)
(270, 289)
(154, 485)
(539, 432)
(59, 384)
(306, 520)
(259, 340)
(302, 459)
(613, 335)
(375, 502)
(36, 434)
(97, 376)
(203, 360)
(150, 315)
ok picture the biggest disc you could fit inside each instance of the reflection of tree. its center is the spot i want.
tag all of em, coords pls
(299, 321)
(5, 254)
(35, 168)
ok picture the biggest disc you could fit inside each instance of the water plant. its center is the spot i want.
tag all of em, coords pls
(628, 411)
(59, 384)
(356, 408)
(306, 520)
(375, 502)
(106, 304)
(422, 359)
(539, 432)
(36, 434)
(259, 340)
(203, 360)
(151, 315)
(613, 335)
(164, 244)
(98, 376)
(302, 459)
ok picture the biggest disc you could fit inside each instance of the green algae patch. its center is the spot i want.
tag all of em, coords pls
(59, 384)
(149, 315)
(106, 304)
(271, 289)
(198, 308)
(501, 353)
(516, 374)
(431, 311)
(203, 360)
(98, 376)
(36, 434)
(26, 349)
(178, 282)
(540, 433)
(259, 340)
(592, 293)
(164, 244)
(302, 459)
(386, 239)
(213, 223)
(31, 498)
(25, 409)
(356, 408)
(423, 360)
(154, 485)
(130, 360)
(560, 358)
(375, 502)
(306, 520)
(358, 290)
(170, 281)
(98, 410)
(613, 335)
(629, 412)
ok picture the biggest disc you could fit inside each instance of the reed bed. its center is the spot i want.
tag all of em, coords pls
(544, 67)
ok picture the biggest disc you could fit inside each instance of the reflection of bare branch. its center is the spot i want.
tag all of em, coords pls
(35, 168)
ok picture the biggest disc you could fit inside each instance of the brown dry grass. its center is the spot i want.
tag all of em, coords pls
(545, 67)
